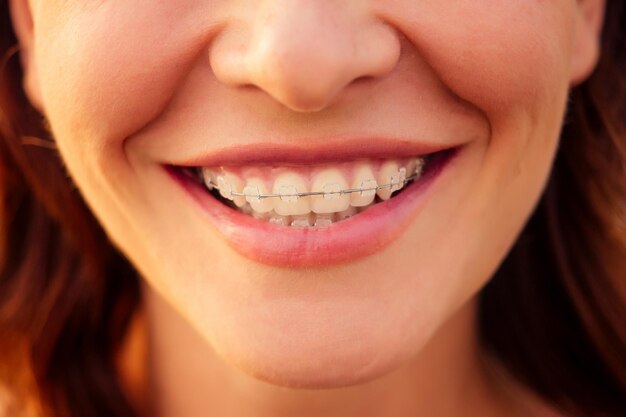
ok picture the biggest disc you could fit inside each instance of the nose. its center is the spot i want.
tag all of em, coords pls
(304, 53)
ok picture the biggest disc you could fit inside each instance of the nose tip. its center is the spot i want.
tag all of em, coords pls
(305, 53)
(302, 78)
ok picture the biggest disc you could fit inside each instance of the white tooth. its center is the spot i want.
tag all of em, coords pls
(397, 179)
(286, 185)
(209, 178)
(331, 182)
(363, 208)
(349, 212)
(254, 187)
(279, 220)
(363, 178)
(229, 183)
(301, 221)
(246, 209)
(260, 216)
(388, 175)
(415, 166)
(323, 220)
(410, 167)
(402, 172)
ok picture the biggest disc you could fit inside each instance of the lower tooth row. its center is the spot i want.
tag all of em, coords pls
(307, 220)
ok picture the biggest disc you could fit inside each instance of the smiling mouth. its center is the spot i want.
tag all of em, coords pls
(312, 195)
(302, 208)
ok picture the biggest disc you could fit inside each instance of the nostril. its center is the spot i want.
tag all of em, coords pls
(363, 79)
(248, 87)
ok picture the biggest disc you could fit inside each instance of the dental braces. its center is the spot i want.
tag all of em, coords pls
(329, 191)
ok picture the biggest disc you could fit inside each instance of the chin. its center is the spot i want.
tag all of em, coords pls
(327, 369)
(319, 353)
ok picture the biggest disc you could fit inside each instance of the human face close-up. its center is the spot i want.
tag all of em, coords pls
(309, 96)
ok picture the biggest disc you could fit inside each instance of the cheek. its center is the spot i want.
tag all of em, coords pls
(510, 59)
(494, 54)
(102, 82)
(105, 81)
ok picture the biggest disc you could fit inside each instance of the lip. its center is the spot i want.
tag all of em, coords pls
(362, 235)
(313, 152)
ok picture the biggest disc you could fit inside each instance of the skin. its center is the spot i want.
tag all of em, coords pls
(128, 85)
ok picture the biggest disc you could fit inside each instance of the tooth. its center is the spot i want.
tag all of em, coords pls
(387, 176)
(255, 187)
(397, 179)
(260, 216)
(363, 208)
(363, 178)
(227, 183)
(279, 220)
(246, 209)
(331, 182)
(349, 212)
(415, 166)
(402, 172)
(301, 221)
(323, 220)
(208, 177)
(286, 185)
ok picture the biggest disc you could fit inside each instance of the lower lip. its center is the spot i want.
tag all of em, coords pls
(364, 234)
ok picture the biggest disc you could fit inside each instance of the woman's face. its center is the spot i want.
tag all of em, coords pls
(309, 95)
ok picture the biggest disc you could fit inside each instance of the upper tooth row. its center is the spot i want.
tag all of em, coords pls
(330, 191)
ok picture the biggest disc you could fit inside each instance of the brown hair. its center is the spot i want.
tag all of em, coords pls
(554, 314)
(66, 295)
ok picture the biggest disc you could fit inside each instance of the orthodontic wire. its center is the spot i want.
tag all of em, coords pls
(318, 193)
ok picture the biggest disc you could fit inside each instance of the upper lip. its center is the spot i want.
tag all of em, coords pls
(313, 152)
